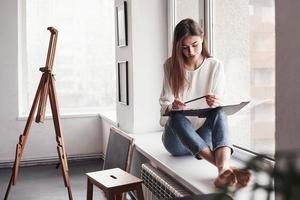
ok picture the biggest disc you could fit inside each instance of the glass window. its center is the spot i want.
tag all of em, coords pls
(244, 39)
(242, 36)
(181, 9)
(84, 63)
(189, 9)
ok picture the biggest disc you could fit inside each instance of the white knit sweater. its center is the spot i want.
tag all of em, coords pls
(209, 78)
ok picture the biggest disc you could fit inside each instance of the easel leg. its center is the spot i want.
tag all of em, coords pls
(63, 165)
(17, 162)
(23, 138)
(40, 115)
(59, 137)
(8, 188)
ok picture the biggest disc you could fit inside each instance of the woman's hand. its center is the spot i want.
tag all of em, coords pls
(212, 101)
(177, 104)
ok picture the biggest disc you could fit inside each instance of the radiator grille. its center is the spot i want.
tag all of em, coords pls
(159, 185)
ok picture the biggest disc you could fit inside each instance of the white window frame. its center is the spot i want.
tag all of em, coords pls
(172, 20)
(21, 55)
(171, 23)
(208, 24)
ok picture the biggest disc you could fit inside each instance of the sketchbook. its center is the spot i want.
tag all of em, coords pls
(202, 113)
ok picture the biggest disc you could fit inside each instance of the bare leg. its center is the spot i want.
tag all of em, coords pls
(208, 155)
(217, 125)
(221, 159)
(226, 175)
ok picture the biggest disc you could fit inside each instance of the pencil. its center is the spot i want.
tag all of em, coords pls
(195, 99)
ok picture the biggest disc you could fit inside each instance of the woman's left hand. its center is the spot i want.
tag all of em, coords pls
(212, 100)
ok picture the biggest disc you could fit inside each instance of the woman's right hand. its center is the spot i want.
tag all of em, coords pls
(212, 101)
(177, 104)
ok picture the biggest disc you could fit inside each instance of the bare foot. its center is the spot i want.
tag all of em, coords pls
(225, 179)
(243, 176)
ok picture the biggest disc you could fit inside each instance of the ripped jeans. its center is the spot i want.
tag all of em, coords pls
(179, 137)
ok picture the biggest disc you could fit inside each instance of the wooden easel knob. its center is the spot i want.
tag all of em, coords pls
(45, 69)
(52, 30)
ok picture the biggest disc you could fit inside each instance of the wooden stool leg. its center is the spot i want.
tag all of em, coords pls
(123, 197)
(140, 192)
(119, 196)
(110, 195)
(89, 190)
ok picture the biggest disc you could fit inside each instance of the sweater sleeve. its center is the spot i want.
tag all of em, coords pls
(166, 97)
(218, 85)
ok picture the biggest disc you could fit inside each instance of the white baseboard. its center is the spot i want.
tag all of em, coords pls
(51, 160)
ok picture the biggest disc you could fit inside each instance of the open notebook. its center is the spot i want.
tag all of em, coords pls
(202, 113)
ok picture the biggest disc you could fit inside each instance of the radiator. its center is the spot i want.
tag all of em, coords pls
(158, 185)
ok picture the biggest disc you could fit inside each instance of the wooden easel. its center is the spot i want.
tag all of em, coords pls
(46, 87)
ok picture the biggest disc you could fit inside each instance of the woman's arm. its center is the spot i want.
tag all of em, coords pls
(166, 97)
(215, 98)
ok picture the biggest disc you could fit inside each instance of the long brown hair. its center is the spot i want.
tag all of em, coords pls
(176, 64)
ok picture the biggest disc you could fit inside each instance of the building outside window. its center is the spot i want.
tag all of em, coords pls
(242, 36)
(84, 64)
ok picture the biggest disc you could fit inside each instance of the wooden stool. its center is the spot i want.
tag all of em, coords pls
(113, 182)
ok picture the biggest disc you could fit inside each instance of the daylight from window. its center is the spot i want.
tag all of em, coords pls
(84, 64)
(244, 39)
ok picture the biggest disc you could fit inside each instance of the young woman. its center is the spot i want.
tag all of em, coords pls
(189, 73)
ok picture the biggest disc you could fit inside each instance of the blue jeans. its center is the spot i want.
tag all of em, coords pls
(179, 137)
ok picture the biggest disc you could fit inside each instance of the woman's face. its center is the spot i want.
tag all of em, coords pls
(192, 47)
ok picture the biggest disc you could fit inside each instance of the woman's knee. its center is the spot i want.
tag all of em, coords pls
(173, 144)
(176, 118)
(218, 113)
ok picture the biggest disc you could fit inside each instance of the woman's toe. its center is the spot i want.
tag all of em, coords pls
(225, 179)
(243, 176)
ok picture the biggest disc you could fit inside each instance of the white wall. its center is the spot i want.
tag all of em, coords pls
(149, 32)
(146, 52)
(287, 75)
(82, 135)
(124, 112)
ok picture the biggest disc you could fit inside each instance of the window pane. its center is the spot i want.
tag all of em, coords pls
(244, 39)
(84, 63)
(189, 9)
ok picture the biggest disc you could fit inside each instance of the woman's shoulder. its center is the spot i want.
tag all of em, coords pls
(214, 61)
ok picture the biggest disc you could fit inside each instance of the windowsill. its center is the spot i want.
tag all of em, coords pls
(245, 155)
(108, 115)
(195, 175)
